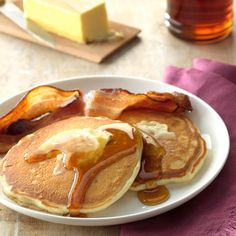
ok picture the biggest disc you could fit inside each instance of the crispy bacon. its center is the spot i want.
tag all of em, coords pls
(112, 102)
(37, 102)
(46, 104)
(40, 107)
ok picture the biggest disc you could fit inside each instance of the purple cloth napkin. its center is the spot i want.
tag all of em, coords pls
(213, 211)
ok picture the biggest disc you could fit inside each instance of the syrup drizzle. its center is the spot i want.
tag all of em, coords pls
(80, 215)
(150, 171)
(151, 167)
(154, 196)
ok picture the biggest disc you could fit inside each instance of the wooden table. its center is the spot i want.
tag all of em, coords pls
(23, 65)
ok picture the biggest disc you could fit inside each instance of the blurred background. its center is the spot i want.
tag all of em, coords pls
(23, 64)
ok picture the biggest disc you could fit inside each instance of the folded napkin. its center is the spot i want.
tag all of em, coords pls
(213, 211)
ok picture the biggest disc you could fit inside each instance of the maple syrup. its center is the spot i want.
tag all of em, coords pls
(80, 215)
(154, 196)
(151, 160)
(200, 20)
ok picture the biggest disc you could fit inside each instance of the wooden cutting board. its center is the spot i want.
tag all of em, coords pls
(95, 52)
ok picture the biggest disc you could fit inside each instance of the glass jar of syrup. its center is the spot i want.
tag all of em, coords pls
(200, 20)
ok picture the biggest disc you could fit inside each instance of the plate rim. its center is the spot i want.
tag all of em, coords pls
(113, 220)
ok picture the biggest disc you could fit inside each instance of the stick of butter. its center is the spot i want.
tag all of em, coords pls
(78, 20)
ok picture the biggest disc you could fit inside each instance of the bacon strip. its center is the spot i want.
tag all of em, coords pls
(112, 102)
(46, 104)
(37, 102)
(40, 107)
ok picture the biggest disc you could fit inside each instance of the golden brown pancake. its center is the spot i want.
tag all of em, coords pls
(178, 153)
(35, 185)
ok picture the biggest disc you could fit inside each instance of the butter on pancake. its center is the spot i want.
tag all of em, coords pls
(78, 165)
(88, 143)
(179, 149)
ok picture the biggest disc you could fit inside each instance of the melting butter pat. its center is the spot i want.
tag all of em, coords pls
(88, 145)
(155, 129)
(78, 20)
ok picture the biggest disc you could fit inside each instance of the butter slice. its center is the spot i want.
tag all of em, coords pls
(88, 143)
(78, 20)
(156, 129)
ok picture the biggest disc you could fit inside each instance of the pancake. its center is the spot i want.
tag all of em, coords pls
(41, 183)
(175, 153)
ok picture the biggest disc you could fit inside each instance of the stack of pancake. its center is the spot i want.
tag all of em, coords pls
(86, 162)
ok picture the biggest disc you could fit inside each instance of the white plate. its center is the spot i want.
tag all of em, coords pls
(128, 208)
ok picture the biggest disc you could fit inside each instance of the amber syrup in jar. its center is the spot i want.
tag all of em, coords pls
(200, 20)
